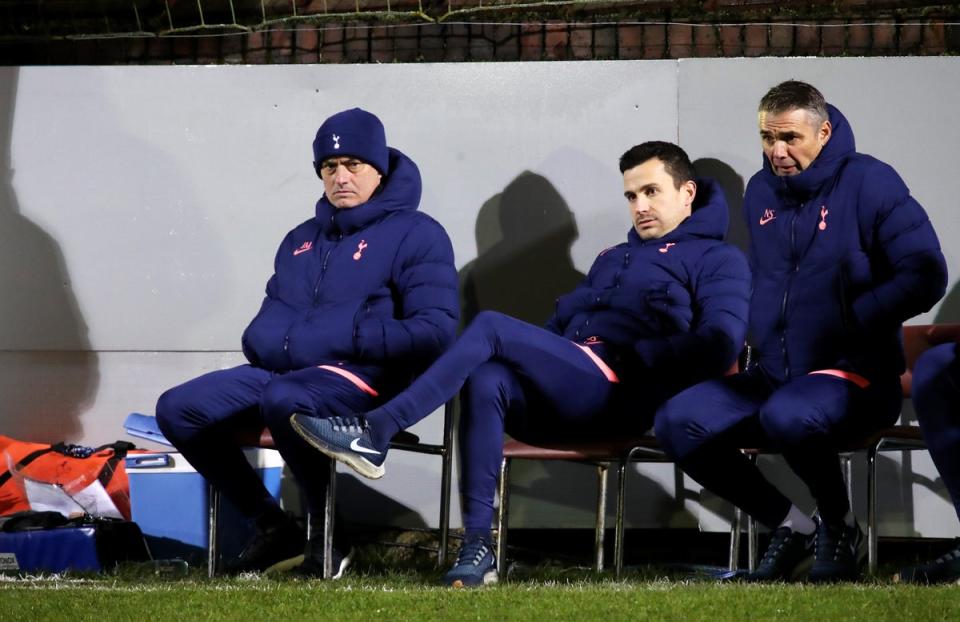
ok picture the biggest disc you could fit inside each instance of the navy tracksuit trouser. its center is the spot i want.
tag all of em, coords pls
(807, 420)
(936, 398)
(518, 378)
(200, 418)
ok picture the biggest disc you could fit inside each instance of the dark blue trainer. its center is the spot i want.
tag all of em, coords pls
(944, 569)
(840, 550)
(346, 439)
(476, 565)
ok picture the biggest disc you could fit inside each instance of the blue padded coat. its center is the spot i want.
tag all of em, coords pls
(372, 286)
(841, 256)
(674, 308)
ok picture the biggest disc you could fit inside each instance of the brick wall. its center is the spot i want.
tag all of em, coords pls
(666, 30)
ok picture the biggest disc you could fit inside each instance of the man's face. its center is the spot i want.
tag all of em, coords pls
(657, 207)
(792, 140)
(348, 182)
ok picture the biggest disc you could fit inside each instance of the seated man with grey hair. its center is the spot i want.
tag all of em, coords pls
(841, 256)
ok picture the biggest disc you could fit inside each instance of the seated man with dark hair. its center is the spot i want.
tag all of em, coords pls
(657, 313)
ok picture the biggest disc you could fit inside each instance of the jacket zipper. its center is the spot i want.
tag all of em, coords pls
(786, 293)
(323, 271)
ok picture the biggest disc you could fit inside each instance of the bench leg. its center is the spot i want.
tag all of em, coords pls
(601, 527)
(445, 477)
(329, 514)
(618, 543)
(735, 526)
(872, 533)
(213, 531)
(503, 510)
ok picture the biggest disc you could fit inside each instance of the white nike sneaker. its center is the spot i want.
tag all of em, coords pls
(346, 439)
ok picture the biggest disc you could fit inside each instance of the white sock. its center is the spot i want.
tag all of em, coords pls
(799, 522)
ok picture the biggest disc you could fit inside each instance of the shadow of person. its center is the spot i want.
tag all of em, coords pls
(48, 374)
(949, 311)
(523, 263)
(732, 184)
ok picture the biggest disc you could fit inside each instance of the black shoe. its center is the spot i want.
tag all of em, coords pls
(839, 552)
(944, 569)
(276, 547)
(787, 557)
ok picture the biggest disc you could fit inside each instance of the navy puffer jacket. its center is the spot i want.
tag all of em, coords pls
(842, 255)
(374, 286)
(674, 307)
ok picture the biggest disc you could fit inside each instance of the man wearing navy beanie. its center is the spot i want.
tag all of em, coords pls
(363, 296)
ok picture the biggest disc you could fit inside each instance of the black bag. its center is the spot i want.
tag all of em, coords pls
(49, 542)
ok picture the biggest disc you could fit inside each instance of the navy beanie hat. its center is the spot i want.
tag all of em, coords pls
(356, 133)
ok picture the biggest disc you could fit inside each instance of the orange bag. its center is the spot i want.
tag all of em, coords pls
(73, 467)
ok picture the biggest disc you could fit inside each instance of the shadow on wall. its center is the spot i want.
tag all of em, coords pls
(949, 311)
(732, 184)
(48, 375)
(523, 263)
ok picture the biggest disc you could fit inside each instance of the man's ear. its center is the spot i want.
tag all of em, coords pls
(826, 131)
(690, 188)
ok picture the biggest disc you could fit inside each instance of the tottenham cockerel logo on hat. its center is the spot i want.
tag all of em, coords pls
(356, 133)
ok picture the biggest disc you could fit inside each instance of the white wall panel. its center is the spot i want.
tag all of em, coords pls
(140, 208)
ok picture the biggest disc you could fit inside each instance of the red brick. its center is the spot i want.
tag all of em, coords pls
(631, 41)
(581, 41)
(833, 38)
(556, 41)
(731, 40)
(355, 43)
(405, 46)
(706, 41)
(231, 49)
(934, 38)
(331, 44)
(654, 41)
(158, 50)
(381, 45)
(859, 35)
(781, 40)
(680, 37)
(308, 45)
(531, 42)
(755, 40)
(208, 50)
(807, 41)
(884, 37)
(456, 45)
(911, 35)
(604, 41)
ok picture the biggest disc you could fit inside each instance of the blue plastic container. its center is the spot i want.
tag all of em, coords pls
(169, 500)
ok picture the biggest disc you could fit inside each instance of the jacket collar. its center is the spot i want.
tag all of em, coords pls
(399, 191)
(708, 219)
(824, 168)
